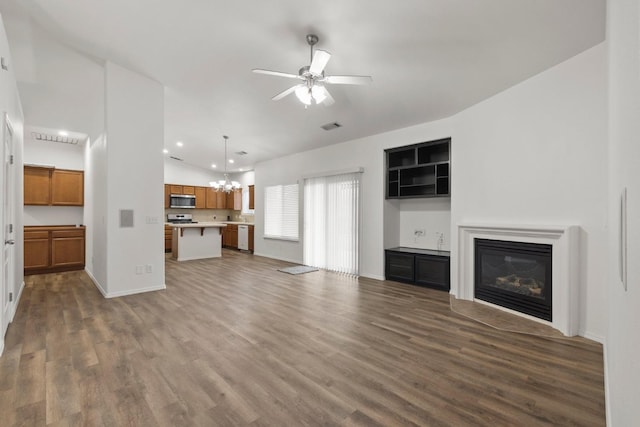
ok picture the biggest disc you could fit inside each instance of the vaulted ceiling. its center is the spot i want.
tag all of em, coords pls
(428, 58)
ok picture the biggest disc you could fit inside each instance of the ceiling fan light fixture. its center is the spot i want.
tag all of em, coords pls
(304, 94)
(319, 93)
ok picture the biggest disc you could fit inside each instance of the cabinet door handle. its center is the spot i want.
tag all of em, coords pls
(10, 242)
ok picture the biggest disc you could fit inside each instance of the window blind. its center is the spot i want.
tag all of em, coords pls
(332, 222)
(281, 212)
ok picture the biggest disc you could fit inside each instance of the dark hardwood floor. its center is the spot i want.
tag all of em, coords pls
(234, 342)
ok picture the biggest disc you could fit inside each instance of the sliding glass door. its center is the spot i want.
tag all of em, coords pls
(332, 222)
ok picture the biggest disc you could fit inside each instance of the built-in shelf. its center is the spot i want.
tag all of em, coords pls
(423, 267)
(419, 170)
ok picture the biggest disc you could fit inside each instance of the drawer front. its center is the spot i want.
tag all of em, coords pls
(36, 234)
(67, 233)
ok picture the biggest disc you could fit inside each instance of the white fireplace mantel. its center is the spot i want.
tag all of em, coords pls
(564, 240)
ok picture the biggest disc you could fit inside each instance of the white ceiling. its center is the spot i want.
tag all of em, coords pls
(429, 59)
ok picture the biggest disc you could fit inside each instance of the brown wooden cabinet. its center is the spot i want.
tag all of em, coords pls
(234, 200)
(251, 236)
(53, 187)
(168, 236)
(67, 187)
(230, 236)
(211, 198)
(167, 196)
(175, 189)
(37, 186)
(251, 197)
(188, 189)
(201, 196)
(221, 199)
(53, 248)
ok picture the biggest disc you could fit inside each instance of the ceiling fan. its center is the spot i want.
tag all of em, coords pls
(313, 80)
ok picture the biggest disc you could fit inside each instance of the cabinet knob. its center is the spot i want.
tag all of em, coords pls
(10, 242)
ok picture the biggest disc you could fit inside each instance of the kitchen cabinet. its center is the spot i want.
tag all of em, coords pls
(188, 189)
(168, 235)
(53, 187)
(234, 200)
(211, 198)
(201, 197)
(167, 196)
(57, 248)
(230, 236)
(37, 186)
(175, 189)
(251, 234)
(67, 187)
(251, 197)
(221, 199)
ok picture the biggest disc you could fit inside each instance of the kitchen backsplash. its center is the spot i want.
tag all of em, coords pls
(208, 215)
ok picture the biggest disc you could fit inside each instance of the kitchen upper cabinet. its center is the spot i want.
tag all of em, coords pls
(234, 200)
(53, 187)
(37, 186)
(201, 196)
(188, 189)
(176, 189)
(221, 199)
(211, 198)
(167, 196)
(251, 196)
(67, 187)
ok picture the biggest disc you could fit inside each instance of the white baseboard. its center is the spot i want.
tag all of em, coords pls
(123, 293)
(1, 346)
(373, 276)
(607, 391)
(278, 258)
(592, 337)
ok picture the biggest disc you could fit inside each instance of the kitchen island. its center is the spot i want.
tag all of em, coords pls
(197, 240)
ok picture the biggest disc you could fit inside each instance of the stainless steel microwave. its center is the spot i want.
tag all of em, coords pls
(182, 201)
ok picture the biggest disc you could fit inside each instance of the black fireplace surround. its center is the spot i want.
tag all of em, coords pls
(515, 275)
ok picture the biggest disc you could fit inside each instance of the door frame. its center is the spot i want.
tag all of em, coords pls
(7, 181)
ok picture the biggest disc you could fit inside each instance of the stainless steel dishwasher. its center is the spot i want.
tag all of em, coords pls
(243, 237)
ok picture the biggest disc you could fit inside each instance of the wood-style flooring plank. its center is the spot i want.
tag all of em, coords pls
(234, 342)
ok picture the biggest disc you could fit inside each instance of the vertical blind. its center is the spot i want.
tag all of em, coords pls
(332, 222)
(281, 212)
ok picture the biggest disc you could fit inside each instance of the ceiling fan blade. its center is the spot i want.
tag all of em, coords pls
(284, 93)
(320, 59)
(275, 73)
(329, 99)
(348, 80)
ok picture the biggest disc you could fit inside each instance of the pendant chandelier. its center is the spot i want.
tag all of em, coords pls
(225, 184)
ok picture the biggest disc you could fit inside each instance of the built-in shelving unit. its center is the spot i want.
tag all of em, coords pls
(419, 170)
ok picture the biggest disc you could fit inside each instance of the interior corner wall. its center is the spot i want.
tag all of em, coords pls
(622, 370)
(134, 169)
(537, 154)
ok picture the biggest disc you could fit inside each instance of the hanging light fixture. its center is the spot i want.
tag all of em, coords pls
(225, 184)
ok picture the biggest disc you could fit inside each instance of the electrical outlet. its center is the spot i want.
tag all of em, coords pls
(418, 232)
(149, 268)
(139, 269)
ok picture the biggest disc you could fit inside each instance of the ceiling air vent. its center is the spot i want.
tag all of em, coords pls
(176, 158)
(39, 136)
(331, 126)
(241, 153)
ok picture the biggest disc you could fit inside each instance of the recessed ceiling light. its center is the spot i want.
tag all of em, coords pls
(213, 165)
(230, 160)
(63, 133)
(179, 144)
(165, 151)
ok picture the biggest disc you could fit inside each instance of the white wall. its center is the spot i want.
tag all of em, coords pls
(10, 104)
(536, 154)
(623, 340)
(95, 211)
(365, 152)
(135, 135)
(433, 216)
(176, 172)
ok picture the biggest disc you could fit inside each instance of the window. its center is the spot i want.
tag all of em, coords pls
(281, 212)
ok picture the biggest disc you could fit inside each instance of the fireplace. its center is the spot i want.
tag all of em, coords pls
(515, 275)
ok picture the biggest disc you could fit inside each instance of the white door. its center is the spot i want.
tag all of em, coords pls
(7, 222)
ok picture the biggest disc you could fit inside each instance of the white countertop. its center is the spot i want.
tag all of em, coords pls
(196, 224)
(238, 222)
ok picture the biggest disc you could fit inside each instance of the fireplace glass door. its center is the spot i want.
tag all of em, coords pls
(515, 275)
